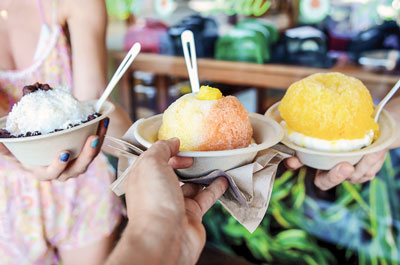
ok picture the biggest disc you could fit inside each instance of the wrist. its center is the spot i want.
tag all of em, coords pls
(154, 239)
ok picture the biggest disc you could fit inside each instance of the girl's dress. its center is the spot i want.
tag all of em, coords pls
(38, 217)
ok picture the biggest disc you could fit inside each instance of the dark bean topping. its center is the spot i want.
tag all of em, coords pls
(35, 87)
(5, 134)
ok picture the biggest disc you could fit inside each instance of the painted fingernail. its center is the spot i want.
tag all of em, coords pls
(106, 122)
(95, 143)
(64, 157)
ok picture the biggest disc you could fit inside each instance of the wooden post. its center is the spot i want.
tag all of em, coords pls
(161, 82)
(261, 92)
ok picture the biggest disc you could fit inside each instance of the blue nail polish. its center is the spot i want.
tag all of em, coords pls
(95, 143)
(64, 157)
(106, 122)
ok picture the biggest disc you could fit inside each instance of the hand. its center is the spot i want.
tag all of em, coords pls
(365, 170)
(62, 168)
(164, 218)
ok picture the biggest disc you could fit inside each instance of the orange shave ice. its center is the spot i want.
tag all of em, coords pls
(329, 112)
(207, 121)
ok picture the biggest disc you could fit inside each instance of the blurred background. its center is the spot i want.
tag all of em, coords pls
(254, 49)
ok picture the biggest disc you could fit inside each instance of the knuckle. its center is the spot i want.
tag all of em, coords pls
(63, 179)
(334, 177)
(371, 159)
(318, 182)
(321, 186)
(45, 178)
(354, 180)
(369, 176)
(81, 170)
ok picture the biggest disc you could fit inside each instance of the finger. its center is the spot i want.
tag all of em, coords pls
(177, 162)
(101, 131)
(292, 163)
(190, 190)
(4, 150)
(163, 150)
(370, 175)
(81, 163)
(103, 126)
(208, 197)
(364, 166)
(58, 165)
(329, 179)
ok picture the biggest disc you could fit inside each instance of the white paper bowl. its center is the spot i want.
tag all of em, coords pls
(266, 133)
(327, 160)
(41, 150)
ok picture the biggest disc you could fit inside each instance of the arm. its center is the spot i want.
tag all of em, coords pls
(87, 22)
(365, 170)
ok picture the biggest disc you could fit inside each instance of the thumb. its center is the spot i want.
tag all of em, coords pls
(165, 149)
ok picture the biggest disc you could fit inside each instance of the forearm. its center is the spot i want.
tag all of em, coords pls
(119, 122)
(151, 242)
(393, 107)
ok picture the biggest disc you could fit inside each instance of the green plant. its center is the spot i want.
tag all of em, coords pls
(361, 221)
(121, 8)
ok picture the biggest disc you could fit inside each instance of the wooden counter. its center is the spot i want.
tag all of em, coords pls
(266, 76)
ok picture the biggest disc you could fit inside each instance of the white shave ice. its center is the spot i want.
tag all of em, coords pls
(340, 145)
(47, 110)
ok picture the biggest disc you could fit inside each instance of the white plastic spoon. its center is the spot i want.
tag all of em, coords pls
(191, 59)
(126, 62)
(381, 104)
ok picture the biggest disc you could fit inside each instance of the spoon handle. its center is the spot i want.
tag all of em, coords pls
(126, 62)
(385, 100)
(189, 51)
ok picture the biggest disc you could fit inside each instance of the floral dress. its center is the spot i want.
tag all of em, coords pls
(39, 217)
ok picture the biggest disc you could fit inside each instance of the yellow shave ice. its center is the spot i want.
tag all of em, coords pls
(329, 112)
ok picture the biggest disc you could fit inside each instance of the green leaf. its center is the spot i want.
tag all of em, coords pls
(284, 178)
(293, 238)
(381, 221)
(389, 174)
(281, 192)
(356, 195)
(310, 260)
(279, 218)
(299, 192)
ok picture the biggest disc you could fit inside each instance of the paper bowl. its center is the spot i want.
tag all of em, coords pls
(266, 133)
(327, 160)
(41, 150)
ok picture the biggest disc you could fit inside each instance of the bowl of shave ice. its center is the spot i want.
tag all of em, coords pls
(328, 119)
(215, 130)
(46, 121)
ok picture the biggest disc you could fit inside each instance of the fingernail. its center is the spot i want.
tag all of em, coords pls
(64, 157)
(106, 122)
(174, 139)
(95, 143)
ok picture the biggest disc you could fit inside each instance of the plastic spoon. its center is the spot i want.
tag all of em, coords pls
(381, 104)
(191, 59)
(126, 62)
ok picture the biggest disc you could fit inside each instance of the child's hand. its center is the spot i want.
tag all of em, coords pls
(62, 168)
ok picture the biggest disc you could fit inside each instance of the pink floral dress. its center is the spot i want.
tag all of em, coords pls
(38, 217)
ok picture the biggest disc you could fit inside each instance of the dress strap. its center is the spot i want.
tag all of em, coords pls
(54, 12)
(41, 12)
